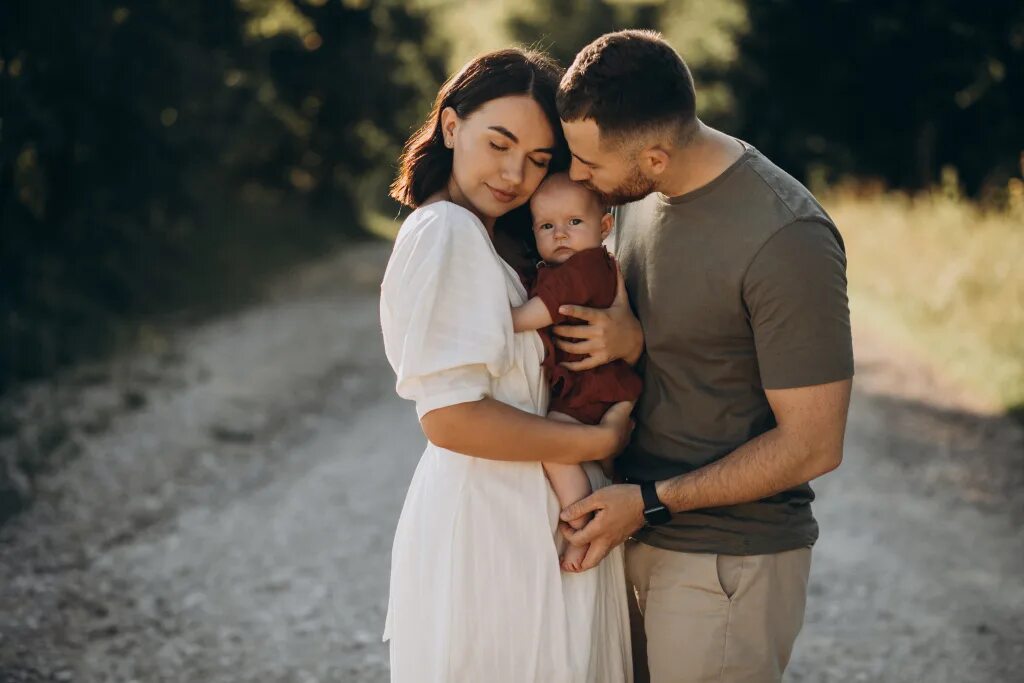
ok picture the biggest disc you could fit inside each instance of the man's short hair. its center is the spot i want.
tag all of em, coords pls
(628, 82)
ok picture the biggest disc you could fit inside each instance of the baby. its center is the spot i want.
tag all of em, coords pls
(569, 224)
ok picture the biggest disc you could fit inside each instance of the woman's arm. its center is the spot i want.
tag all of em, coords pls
(533, 315)
(494, 430)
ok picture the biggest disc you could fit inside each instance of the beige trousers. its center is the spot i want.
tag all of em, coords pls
(703, 618)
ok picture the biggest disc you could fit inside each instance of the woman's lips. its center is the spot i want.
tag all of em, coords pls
(503, 197)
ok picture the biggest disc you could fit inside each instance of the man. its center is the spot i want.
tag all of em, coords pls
(738, 277)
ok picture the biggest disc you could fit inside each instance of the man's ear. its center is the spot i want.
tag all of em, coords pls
(653, 161)
(606, 225)
(449, 125)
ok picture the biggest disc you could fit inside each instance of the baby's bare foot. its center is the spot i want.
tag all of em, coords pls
(572, 560)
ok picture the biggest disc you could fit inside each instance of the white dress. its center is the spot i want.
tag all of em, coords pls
(476, 590)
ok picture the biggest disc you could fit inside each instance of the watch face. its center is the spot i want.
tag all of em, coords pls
(658, 515)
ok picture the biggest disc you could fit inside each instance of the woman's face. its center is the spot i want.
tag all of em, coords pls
(501, 153)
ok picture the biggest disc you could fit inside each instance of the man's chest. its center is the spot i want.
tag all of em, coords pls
(686, 288)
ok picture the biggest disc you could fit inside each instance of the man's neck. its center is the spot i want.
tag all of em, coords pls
(708, 154)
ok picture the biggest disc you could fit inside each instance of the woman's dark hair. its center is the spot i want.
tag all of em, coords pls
(627, 81)
(426, 164)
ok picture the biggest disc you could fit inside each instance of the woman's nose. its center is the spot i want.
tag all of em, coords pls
(512, 171)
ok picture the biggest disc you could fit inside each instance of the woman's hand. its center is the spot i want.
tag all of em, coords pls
(610, 333)
(617, 426)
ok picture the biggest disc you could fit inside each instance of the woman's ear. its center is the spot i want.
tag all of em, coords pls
(607, 220)
(449, 126)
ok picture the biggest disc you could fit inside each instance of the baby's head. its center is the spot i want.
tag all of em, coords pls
(567, 218)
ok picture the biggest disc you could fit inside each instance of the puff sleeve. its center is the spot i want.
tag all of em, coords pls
(445, 311)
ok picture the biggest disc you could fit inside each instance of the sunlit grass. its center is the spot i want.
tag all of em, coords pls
(381, 225)
(943, 276)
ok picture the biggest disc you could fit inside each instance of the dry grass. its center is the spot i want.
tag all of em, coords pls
(942, 276)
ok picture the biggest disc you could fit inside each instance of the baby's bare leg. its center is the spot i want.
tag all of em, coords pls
(570, 484)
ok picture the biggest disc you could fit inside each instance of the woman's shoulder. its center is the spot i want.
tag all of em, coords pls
(441, 218)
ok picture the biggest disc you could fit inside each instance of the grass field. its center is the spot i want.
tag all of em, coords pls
(944, 277)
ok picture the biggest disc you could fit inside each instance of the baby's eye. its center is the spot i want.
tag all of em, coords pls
(498, 147)
(545, 226)
(575, 221)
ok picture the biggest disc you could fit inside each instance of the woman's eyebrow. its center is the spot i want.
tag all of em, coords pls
(511, 136)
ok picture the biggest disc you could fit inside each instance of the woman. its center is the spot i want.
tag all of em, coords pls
(476, 589)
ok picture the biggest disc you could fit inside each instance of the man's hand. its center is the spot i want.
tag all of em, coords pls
(618, 512)
(610, 333)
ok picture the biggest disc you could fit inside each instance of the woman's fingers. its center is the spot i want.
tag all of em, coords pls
(619, 412)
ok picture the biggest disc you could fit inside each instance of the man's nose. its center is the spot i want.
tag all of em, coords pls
(578, 171)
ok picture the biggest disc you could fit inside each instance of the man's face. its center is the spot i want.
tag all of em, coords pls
(615, 176)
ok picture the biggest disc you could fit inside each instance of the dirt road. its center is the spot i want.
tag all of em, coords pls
(226, 510)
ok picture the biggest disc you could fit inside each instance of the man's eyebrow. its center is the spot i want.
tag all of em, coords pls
(583, 161)
(511, 136)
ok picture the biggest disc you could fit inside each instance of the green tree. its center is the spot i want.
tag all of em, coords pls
(131, 136)
(893, 89)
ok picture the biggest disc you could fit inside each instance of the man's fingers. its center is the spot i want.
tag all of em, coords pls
(595, 553)
(582, 348)
(574, 331)
(585, 535)
(585, 364)
(582, 507)
(581, 312)
(575, 536)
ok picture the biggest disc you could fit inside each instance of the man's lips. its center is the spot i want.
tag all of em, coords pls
(503, 197)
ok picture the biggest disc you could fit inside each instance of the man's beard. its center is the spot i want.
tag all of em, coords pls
(635, 187)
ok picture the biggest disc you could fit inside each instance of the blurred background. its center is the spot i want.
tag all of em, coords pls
(156, 156)
(165, 165)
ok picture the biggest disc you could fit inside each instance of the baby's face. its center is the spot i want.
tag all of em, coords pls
(567, 218)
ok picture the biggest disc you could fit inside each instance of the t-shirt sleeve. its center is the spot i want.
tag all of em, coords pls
(795, 293)
(445, 313)
(574, 282)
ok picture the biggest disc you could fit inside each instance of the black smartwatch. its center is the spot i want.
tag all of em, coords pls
(655, 511)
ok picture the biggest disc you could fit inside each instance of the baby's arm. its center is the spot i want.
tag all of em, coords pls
(533, 315)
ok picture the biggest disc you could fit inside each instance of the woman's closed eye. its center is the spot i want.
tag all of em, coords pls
(539, 163)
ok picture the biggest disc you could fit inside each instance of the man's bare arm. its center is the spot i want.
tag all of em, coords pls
(807, 443)
(494, 430)
(533, 315)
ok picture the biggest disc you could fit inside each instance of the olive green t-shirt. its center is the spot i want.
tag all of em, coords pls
(740, 286)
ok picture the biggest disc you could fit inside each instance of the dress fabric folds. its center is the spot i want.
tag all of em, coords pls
(476, 591)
